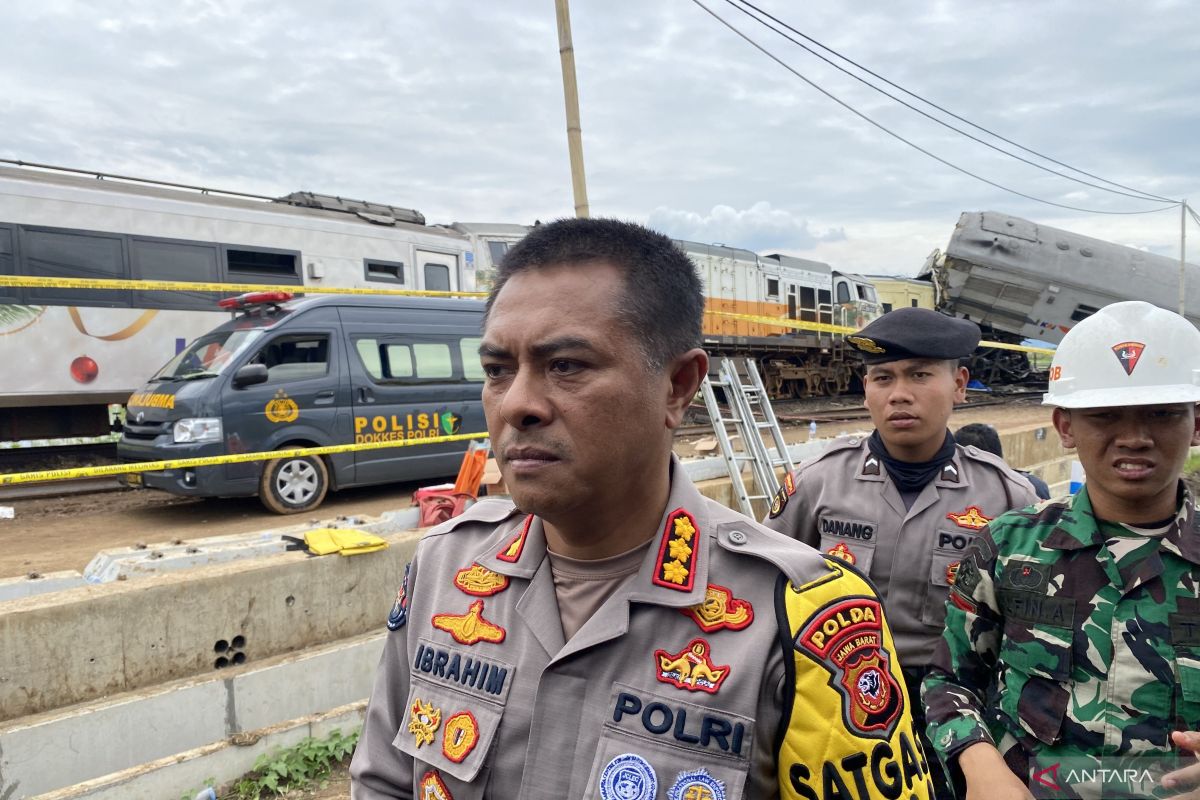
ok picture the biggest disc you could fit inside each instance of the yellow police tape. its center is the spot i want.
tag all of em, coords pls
(821, 327)
(27, 282)
(208, 461)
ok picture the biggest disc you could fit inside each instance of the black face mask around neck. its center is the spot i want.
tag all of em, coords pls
(909, 476)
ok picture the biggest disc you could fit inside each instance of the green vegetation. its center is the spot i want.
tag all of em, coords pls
(282, 771)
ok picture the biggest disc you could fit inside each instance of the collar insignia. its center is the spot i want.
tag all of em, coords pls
(423, 721)
(696, 785)
(691, 668)
(1128, 354)
(720, 609)
(470, 627)
(843, 552)
(789, 483)
(676, 565)
(971, 518)
(460, 736)
(950, 473)
(865, 344)
(511, 552)
(871, 465)
(432, 787)
(480, 581)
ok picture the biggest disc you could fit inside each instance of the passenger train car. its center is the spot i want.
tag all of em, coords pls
(1023, 280)
(65, 353)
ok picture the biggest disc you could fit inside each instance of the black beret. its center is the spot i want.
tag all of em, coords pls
(915, 333)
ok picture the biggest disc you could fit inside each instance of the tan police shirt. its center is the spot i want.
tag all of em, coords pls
(844, 503)
(680, 685)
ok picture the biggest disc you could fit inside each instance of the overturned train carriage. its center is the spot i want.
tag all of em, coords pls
(744, 292)
(1022, 280)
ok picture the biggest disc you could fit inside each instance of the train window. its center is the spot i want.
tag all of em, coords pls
(8, 261)
(914, 302)
(385, 271)
(1082, 312)
(808, 304)
(772, 287)
(823, 296)
(468, 350)
(294, 358)
(843, 292)
(497, 250)
(59, 253)
(437, 278)
(887, 307)
(163, 260)
(255, 261)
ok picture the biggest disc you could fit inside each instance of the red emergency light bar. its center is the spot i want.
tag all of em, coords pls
(254, 299)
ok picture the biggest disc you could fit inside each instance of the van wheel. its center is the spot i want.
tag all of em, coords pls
(292, 485)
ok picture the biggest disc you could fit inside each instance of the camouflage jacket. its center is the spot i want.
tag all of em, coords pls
(1069, 640)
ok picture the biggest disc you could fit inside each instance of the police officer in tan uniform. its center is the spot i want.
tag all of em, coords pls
(903, 504)
(611, 634)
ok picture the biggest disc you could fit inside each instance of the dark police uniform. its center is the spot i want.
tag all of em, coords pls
(845, 503)
(734, 664)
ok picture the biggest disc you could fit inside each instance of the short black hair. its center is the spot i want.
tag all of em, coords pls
(981, 435)
(663, 303)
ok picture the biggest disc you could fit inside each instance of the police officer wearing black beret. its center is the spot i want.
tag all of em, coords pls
(903, 503)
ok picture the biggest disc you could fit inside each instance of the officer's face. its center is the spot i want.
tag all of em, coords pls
(579, 423)
(910, 403)
(1132, 455)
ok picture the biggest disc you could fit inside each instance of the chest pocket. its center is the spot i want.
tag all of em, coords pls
(451, 717)
(1185, 639)
(653, 745)
(1037, 656)
(948, 550)
(852, 540)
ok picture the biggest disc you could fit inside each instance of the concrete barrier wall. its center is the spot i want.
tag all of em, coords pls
(86, 643)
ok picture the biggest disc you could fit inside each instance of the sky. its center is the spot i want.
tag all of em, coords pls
(456, 109)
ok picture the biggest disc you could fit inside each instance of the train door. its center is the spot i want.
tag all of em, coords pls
(791, 300)
(438, 271)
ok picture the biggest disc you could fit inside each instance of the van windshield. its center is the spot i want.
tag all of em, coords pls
(208, 356)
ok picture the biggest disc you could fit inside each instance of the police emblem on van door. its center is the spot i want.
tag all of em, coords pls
(451, 422)
(846, 637)
(282, 408)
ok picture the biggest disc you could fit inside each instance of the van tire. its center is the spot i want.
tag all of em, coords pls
(292, 485)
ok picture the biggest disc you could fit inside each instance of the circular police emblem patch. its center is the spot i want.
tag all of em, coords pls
(628, 777)
(696, 785)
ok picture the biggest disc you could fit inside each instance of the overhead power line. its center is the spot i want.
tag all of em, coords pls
(1134, 193)
(908, 142)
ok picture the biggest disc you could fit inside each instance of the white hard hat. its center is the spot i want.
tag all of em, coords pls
(1126, 354)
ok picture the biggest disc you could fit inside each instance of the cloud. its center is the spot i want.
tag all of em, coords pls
(758, 227)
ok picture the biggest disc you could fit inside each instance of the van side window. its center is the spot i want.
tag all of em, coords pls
(293, 358)
(394, 361)
(433, 360)
(468, 351)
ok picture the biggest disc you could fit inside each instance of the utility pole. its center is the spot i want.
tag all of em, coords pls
(571, 96)
(1183, 209)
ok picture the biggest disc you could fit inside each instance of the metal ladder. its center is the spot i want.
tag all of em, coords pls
(750, 414)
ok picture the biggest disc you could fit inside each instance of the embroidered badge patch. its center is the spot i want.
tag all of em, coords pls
(460, 736)
(432, 787)
(676, 565)
(423, 721)
(789, 483)
(971, 518)
(470, 627)
(480, 581)
(778, 503)
(951, 572)
(846, 637)
(628, 777)
(511, 552)
(720, 609)
(690, 668)
(843, 552)
(399, 613)
(1128, 353)
(696, 785)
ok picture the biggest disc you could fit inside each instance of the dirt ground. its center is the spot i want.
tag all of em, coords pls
(59, 533)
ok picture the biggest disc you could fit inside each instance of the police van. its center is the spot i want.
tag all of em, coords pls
(311, 372)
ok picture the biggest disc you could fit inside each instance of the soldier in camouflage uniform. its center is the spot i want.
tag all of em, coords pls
(1072, 643)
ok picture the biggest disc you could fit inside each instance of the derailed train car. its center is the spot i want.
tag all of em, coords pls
(1023, 280)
